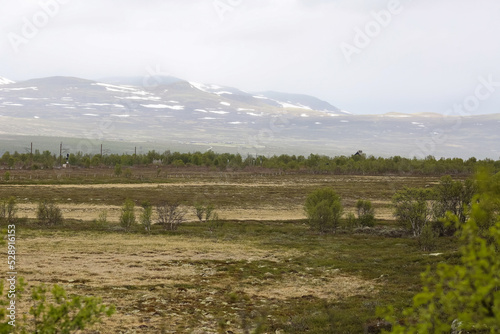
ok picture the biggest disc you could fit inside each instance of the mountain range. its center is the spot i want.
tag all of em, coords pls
(170, 113)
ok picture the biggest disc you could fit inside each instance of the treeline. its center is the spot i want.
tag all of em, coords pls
(355, 164)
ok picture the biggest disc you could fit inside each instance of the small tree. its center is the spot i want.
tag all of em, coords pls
(454, 197)
(366, 213)
(323, 209)
(8, 210)
(102, 220)
(6, 176)
(206, 214)
(178, 163)
(427, 239)
(411, 210)
(118, 170)
(146, 216)
(49, 214)
(127, 217)
(170, 215)
(350, 221)
(128, 173)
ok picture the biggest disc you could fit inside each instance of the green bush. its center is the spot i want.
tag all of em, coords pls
(178, 163)
(102, 220)
(366, 213)
(49, 214)
(206, 214)
(128, 173)
(66, 314)
(323, 209)
(350, 221)
(454, 197)
(54, 312)
(127, 217)
(8, 210)
(146, 216)
(411, 209)
(427, 239)
(118, 170)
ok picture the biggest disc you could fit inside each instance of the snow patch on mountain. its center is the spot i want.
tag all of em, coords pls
(162, 106)
(12, 104)
(5, 81)
(220, 112)
(254, 114)
(17, 88)
(142, 98)
(291, 105)
(198, 86)
(114, 88)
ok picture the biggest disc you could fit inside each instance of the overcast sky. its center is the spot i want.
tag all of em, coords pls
(365, 57)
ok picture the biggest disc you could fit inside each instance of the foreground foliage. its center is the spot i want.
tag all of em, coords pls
(65, 314)
(465, 296)
(53, 312)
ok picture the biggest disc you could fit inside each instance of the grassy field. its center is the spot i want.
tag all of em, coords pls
(263, 271)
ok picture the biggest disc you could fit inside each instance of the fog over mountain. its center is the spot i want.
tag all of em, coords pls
(167, 112)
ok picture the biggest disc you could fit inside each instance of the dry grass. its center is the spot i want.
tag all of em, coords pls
(165, 272)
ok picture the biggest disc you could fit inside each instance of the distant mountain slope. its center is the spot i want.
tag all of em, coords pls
(149, 81)
(208, 116)
(300, 101)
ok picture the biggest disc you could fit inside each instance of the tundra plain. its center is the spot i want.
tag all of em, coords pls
(262, 271)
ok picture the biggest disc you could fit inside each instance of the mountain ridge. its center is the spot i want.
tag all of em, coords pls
(210, 116)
